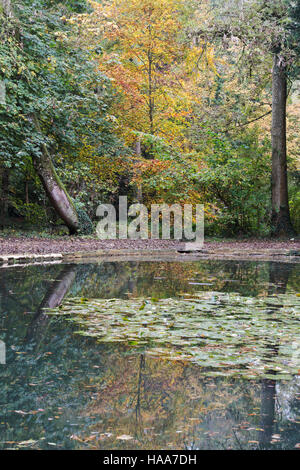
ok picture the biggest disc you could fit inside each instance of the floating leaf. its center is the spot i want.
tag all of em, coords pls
(230, 334)
(124, 437)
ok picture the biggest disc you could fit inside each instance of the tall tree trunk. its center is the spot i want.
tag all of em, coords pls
(150, 90)
(138, 152)
(4, 196)
(281, 222)
(6, 4)
(54, 188)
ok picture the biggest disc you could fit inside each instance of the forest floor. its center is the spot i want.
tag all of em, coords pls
(40, 246)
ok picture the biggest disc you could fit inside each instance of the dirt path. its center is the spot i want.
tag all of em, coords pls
(63, 245)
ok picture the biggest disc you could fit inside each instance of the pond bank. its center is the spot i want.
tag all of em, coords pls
(40, 250)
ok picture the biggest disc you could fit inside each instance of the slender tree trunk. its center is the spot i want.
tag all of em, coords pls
(138, 152)
(151, 101)
(281, 222)
(54, 188)
(150, 90)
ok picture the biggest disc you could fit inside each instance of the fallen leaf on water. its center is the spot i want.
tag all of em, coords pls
(29, 442)
(124, 437)
(90, 438)
(75, 438)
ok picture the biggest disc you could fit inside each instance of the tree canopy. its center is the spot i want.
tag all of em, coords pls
(174, 97)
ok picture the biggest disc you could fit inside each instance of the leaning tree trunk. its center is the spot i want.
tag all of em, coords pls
(56, 192)
(281, 222)
(54, 188)
(43, 165)
(53, 298)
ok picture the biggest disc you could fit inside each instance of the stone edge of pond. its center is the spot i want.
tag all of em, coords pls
(22, 259)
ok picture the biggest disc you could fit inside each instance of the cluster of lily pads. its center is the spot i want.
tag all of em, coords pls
(226, 334)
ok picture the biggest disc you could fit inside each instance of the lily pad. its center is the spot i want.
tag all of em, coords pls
(228, 333)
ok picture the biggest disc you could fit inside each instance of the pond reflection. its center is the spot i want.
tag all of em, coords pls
(62, 390)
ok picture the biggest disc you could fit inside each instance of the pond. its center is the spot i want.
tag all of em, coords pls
(150, 355)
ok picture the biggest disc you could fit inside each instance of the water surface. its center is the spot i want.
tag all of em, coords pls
(61, 390)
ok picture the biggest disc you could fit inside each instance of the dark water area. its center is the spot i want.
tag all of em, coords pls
(61, 390)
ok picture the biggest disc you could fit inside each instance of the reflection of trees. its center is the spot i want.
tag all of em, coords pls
(177, 407)
(267, 412)
(106, 389)
(53, 298)
(38, 384)
(105, 280)
(167, 279)
(279, 274)
(138, 417)
(21, 292)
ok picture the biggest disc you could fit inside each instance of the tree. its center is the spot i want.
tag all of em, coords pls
(151, 63)
(283, 56)
(281, 222)
(13, 33)
(144, 35)
(156, 72)
(52, 102)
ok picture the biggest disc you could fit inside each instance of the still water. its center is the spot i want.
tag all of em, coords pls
(62, 390)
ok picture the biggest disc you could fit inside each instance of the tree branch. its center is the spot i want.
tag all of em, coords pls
(249, 122)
